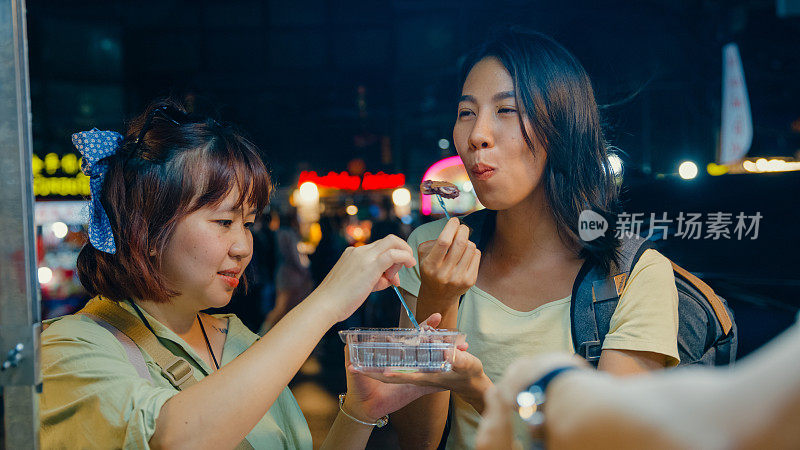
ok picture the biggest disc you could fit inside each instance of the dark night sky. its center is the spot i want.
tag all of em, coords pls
(289, 72)
(317, 83)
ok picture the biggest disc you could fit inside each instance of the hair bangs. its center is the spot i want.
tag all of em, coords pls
(230, 163)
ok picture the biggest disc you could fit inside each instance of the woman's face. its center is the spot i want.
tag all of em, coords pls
(502, 168)
(208, 252)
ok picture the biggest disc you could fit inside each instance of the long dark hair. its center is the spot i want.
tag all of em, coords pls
(555, 94)
(177, 168)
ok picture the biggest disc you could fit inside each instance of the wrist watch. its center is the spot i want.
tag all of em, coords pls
(530, 401)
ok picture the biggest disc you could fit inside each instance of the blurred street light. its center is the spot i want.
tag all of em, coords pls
(60, 229)
(401, 197)
(615, 163)
(45, 275)
(687, 170)
(308, 192)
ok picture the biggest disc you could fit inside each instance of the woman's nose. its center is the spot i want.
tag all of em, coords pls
(242, 246)
(481, 136)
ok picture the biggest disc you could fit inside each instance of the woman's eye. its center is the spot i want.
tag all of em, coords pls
(506, 111)
(225, 223)
(464, 113)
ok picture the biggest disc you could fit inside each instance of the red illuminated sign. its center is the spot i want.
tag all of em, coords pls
(332, 180)
(382, 180)
(345, 181)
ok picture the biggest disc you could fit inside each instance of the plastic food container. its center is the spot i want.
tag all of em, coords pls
(401, 349)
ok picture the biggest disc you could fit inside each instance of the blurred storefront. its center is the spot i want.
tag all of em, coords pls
(359, 200)
(60, 190)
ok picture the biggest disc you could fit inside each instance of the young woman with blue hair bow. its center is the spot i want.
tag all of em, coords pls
(169, 236)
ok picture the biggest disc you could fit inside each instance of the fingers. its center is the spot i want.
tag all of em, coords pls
(391, 274)
(389, 242)
(466, 363)
(425, 248)
(445, 239)
(391, 377)
(466, 262)
(459, 245)
(474, 264)
(390, 260)
(433, 320)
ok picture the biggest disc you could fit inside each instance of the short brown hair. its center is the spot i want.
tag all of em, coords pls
(174, 171)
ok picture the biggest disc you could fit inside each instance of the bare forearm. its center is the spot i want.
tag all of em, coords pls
(420, 424)
(688, 407)
(767, 386)
(429, 301)
(346, 434)
(219, 411)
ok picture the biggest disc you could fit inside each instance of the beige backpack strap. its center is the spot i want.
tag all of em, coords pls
(244, 445)
(174, 368)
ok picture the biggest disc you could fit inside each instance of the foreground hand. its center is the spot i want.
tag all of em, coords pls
(370, 399)
(466, 378)
(495, 431)
(361, 270)
(449, 264)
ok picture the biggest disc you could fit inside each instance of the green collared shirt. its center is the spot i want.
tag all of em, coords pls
(93, 396)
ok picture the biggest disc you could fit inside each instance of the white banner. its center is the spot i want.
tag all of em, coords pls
(737, 124)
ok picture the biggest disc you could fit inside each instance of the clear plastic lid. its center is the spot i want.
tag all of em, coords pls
(402, 349)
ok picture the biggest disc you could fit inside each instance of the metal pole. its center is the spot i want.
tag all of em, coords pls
(19, 289)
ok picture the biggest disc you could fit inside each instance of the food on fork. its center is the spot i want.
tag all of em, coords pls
(442, 188)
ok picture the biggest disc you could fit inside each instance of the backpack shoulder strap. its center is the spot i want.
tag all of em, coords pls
(174, 368)
(481, 224)
(595, 295)
(631, 249)
(585, 335)
(132, 351)
(716, 304)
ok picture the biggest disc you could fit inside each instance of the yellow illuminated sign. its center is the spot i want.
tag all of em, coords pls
(71, 183)
(62, 186)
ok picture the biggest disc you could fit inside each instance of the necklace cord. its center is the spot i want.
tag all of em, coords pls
(205, 336)
(141, 316)
(208, 343)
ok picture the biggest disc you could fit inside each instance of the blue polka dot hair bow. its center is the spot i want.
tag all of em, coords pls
(95, 146)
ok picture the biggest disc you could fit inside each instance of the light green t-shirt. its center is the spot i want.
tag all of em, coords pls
(93, 397)
(646, 319)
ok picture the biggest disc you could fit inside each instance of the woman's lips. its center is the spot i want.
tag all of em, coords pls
(229, 280)
(482, 172)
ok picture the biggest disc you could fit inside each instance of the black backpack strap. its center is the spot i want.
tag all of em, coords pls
(585, 335)
(595, 296)
(481, 224)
